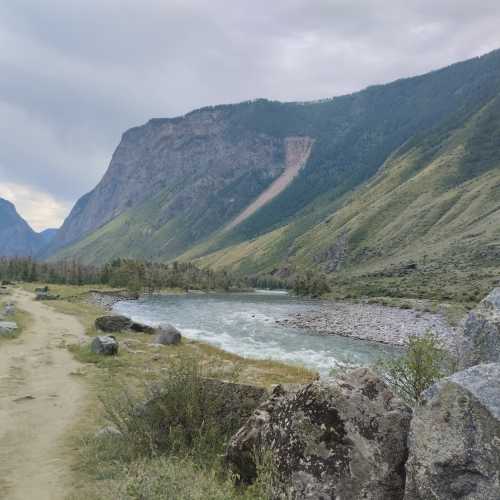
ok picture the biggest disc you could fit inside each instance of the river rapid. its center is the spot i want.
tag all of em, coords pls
(247, 324)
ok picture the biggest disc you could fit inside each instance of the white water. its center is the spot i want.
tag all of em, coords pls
(245, 324)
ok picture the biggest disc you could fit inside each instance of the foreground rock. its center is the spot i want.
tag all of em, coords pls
(106, 344)
(113, 324)
(454, 444)
(343, 438)
(168, 335)
(7, 328)
(481, 337)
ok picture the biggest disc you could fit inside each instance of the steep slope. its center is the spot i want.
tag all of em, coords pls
(435, 202)
(16, 236)
(196, 185)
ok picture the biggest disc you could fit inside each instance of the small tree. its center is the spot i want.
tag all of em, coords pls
(423, 364)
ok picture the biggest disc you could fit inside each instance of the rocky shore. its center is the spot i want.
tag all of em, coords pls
(107, 299)
(372, 322)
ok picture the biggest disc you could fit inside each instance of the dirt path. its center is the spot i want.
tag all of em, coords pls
(39, 400)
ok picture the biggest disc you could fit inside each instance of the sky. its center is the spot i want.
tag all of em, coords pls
(75, 74)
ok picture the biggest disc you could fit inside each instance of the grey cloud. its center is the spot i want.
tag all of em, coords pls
(76, 74)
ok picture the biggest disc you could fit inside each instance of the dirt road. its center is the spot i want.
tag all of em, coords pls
(39, 401)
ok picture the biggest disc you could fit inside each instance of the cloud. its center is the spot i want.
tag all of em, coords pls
(76, 75)
(39, 209)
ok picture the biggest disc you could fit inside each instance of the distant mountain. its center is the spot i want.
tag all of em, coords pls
(48, 235)
(16, 236)
(407, 170)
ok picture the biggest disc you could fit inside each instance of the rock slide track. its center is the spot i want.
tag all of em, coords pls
(39, 401)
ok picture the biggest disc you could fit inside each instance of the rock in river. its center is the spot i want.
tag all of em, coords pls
(106, 345)
(339, 438)
(454, 443)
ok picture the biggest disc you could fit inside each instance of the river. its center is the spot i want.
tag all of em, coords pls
(245, 324)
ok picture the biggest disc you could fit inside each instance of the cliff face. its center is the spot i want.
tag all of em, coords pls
(223, 176)
(17, 239)
(189, 161)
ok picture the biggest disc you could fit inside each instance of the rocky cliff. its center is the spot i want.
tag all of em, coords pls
(216, 179)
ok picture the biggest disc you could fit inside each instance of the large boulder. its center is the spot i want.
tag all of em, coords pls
(168, 335)
(113, 324)
(106, 344)
(481, 336)
(339, 438)
(141, 328)
(454, 443)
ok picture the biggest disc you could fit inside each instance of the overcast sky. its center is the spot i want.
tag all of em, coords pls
(75, 74)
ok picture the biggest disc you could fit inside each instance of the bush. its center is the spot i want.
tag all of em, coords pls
(422, 365)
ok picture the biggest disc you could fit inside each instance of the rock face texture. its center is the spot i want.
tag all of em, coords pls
(481, 337)
(454, 443)
(190, 160)
(335, 439)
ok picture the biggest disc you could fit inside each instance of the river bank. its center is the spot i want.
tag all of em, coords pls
(370, 322)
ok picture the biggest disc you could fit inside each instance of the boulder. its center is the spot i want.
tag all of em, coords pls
(339, 438)
(481, 336)
(106, 344)
(46, 296)
(112, 324)
(454, 442)
(168, 335)
(9, 310)
(139, 327)
(7, 328)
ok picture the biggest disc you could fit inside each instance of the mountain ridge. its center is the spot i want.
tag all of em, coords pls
(211, 164)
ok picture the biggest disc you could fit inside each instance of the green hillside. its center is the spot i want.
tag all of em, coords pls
(399, 174)
(435, 203)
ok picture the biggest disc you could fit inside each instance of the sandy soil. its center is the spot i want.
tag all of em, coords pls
(39, 401)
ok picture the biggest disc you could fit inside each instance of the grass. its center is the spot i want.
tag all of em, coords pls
(110, 468)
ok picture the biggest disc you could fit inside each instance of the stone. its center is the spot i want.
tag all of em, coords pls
(454, 442)
(481, 336)
(106, 344)
(7, 328)
(108, 432)
(46, 296)
(139, 327)
(168, 335)
(339, 438)
(112, 324)
(9, 310)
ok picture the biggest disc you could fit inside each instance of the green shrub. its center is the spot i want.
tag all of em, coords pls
(424, 363)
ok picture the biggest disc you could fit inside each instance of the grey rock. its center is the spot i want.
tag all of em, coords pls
(9, 310)
(454, 443)
(7, 328)
(108, 432)
(481, 335)
(139, 327)
(168, 335)
(46, 296)
(339, 438)
(112, 324)
(106, 344)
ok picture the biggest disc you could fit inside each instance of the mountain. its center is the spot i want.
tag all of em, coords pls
(16, 236)
(394, 173)
(47, 236)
